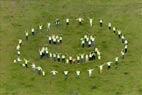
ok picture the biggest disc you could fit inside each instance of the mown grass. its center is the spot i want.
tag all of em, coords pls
(17, 16)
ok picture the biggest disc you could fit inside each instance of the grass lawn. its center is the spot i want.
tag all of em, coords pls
(16, 16)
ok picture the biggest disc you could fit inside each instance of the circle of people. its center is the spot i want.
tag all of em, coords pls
(84, 42)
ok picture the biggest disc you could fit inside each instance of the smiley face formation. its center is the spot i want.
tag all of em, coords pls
(87, 41)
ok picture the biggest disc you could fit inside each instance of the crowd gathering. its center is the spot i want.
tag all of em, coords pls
(86, 41)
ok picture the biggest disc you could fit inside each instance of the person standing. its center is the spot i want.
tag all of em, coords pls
(80, 20)
(91, 22)
(67, 21)
(54, 72)
(116, 60)
(66, 74)
(48, 26)
(27, 35)
(90, 72)
(78, 74)
(109, 26)
(33, 31)
(101, 68)
(101, 22)
(109, 64)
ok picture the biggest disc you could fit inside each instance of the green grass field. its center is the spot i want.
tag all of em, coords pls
(16, 16)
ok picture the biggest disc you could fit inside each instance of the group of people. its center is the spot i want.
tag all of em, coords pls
(88, 41)
(80, 21)
(85, 41)
(57, 22)
(24, 62)
(124, 41)
(77, 73)
(82, 58)
(55, 39)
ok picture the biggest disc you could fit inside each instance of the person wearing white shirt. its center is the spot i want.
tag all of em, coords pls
(116, 60)
(46, 53)
(57, 37)
(90, 57)
(83, 43)
(41, 53)
(63, 58)
(49, 39)
(66, 74)
(18, 53)
(93, 55)
(93, 41)
(73, 60)
(90, 72)
(98, 53)
(27, 35)
(67, 21)
(114, 29)
(122, 53)
(119, 33)
(46, 48)
(48, 26)
(82, 58)
(39, 69)
(57, 21)
(126, 42)
(109, 25)
(122, 38)
(54, 72)
(86, 58)
(19, 59)
(70, 59)
(20, 42)
(18, 47)
(33, 31)
(125, 48)
(33, 66)
(26, 62)
(40, 27)
(91, 22)
(43, 49)
(60, 39)
(67, 61)
(14, 61)
(54, 40)
(50, 55)
(78, 73)
(99, 57)
(85, 37)
(23, 64)
(78, 59)
(54, 56)
(80, 20)
(109, 64)
(101, 68)
(101, 22)
(43, 73)
(58, 57)
(89, 43)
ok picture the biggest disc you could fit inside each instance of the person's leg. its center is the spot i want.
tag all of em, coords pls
(26, 37)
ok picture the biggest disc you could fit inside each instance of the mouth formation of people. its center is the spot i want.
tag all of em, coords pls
(86, 41)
